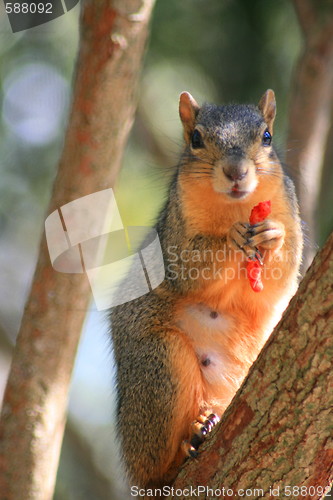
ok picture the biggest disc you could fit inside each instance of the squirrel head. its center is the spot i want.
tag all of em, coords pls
(229, 144)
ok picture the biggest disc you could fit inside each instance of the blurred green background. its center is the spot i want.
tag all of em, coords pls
(221, 51)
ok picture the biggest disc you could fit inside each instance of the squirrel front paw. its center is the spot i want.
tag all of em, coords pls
(238, 238)
(200, 428)
(268, 234)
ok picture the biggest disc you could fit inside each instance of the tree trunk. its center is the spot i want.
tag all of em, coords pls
(324, 215)
(309, 110)
(277, 432)
(113, 36)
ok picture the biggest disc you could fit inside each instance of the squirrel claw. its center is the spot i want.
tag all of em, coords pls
(189, 450)
(268, 234)
(193, 453)
(196, 441)
(239, 238)
(257, 255)
(200, 427)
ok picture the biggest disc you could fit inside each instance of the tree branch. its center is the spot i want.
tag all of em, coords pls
(309, 111)
(325, 220)
(33, 417)
(277, 431)
(306, 15)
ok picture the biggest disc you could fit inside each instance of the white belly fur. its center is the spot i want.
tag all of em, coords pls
(212, 334)
(205, 327)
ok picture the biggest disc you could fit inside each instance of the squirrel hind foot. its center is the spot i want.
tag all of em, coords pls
(200, 428)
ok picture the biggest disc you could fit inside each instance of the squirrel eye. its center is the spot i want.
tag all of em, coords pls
(266, 138)
(196, 140)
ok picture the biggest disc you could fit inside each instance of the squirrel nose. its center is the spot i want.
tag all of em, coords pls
(235, 173)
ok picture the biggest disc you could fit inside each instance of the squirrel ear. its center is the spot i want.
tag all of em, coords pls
(267, 106)
(188, 110)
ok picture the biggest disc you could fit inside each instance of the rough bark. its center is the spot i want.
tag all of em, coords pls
(309, 110)
(277, 432)
(76, 451)
(113, 36)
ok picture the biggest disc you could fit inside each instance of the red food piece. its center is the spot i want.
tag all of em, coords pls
(260, 212)
(253, 267)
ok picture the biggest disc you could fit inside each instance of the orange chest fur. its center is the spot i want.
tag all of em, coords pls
(224, 316)
(208, 212)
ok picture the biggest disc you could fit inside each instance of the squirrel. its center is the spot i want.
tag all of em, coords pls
(183, 349)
